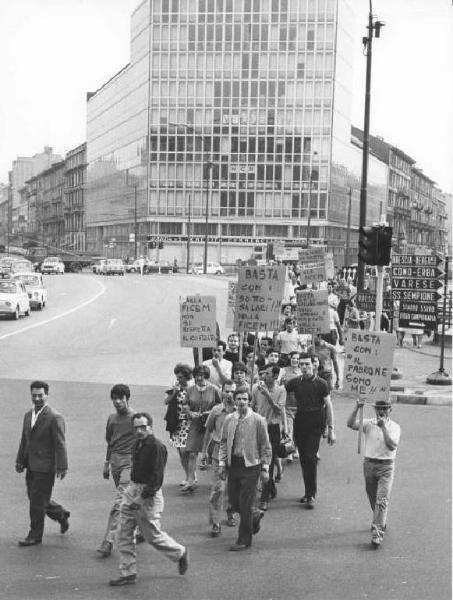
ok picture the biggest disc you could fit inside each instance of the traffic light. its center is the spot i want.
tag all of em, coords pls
(161, 245)
(384, 246)
(368, 245)
(375, 245)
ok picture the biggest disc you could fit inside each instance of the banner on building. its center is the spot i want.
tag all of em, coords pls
(312, 311)
(368, 364)
(198, 321)
(258, 298)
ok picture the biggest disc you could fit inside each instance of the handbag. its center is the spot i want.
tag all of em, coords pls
(286, 447)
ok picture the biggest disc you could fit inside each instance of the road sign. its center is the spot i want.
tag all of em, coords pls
(417, 272)
(367, 301)
(416, 295)
(417, 260)
(412, 283)
(413, 314)
(415, 277)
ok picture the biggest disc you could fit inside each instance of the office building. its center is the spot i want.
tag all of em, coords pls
(239, 105)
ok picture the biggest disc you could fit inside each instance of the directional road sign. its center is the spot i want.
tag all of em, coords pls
(414, 281)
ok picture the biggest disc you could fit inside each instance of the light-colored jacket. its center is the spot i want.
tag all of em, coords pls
(257, 446)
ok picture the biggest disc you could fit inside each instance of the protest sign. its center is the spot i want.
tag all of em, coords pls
(259, 297)
(368, 364)
(231, 303)
(313, 311)
(316, 265)
(198, 321)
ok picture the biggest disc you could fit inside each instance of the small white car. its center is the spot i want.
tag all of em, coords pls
(36, 290)
(53, 264)
(113, 266)
(13, 299)
(212, 268)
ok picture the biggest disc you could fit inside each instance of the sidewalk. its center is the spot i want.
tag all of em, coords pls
(414, 366)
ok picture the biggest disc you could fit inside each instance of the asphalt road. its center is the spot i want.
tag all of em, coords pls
(129, 333)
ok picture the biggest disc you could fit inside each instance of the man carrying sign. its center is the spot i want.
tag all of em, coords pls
(382, 437)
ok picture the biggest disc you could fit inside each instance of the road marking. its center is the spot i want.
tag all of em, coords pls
(64, 314)
(112, 323)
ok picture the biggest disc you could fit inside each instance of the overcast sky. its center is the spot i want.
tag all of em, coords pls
(53, 51)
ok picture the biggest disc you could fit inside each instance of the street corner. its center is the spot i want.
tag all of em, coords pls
(423, 397)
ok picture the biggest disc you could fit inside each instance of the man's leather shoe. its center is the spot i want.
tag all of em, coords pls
(239, 547)
(123, 580)
(256, 521)
(64, 523)
(183, 562)
(29, 542)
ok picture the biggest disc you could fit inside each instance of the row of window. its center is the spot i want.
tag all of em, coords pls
(174, 10)
(240, 62)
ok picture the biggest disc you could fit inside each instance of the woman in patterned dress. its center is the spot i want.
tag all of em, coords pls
(177, 396)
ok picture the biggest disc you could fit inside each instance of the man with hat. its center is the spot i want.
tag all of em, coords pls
(382, 436)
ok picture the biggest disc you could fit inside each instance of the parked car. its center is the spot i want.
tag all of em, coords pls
(135, 266)
(36, 290)
(13, 299)
(212, 268)
(113, 266)
(98, 266)
(164, 267)
(52, 264)
(13, 264)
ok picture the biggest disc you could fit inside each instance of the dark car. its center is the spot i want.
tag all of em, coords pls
(165, 267)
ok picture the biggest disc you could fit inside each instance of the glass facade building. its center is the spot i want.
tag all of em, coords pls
(239, 105)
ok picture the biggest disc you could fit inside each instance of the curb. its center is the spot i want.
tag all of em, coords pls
(411, 398)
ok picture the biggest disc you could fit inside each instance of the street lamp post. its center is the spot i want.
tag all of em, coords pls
(348, 230)
(188, 234)
(374, 28)
(206, 165)
(310, 182)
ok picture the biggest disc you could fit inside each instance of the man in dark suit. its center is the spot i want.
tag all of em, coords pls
(42, 452)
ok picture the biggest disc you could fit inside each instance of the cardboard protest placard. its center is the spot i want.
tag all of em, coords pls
(311, 255)
(368, 364)
(231, 304)
(329, 265)
(259, 297)
(198, 321)
(317, 265)
(312, 311)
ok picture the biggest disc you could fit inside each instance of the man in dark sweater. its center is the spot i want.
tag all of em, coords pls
(143, 503)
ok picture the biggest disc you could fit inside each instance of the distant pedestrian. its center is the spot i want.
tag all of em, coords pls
(42, 452)
(245, 454)
(382, 436)
(141, 265)
(143, 503)
(119, 435)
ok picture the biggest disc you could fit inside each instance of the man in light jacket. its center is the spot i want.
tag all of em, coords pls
(245, 453)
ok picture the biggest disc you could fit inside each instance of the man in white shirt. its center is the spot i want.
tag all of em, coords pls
(382, 436)
(269, 400)
(219, 367)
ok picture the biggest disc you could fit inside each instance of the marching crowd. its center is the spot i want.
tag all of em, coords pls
(246, 405)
